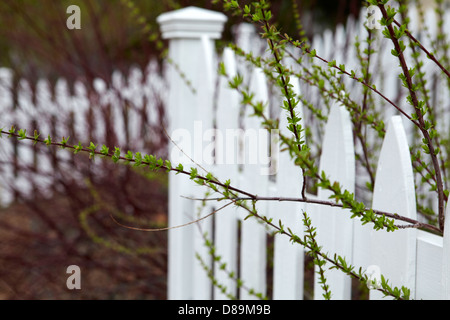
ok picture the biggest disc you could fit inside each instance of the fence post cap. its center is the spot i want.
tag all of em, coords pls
(191, 22)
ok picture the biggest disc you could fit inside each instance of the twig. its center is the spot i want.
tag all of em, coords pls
(415, 103)
(414, 223)
(429, 54)
(174, 227)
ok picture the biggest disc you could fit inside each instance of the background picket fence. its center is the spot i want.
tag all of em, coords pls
(409, 257)
(129, 114)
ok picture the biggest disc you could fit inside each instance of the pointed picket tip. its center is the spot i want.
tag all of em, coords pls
(258, 87)
(228, 98)
(394, 253)
(229, 61)
(335, 229)
(6, 84)
(338, 151)
(246, 36)
(227, 134)
(394, 182)
(255, 140)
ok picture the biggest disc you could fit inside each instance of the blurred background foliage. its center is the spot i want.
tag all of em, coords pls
(40, 237)
(35, 42)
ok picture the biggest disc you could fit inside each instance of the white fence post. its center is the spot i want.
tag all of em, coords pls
(191, 32)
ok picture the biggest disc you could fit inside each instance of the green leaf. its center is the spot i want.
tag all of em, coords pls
(104, 150)
(193, 173)
(48, 141)
(22, 134)
(179, 168)
(36, 136)
(116, 156)
(78, 148)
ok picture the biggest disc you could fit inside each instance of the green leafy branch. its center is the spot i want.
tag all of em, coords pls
(429, 133)
(343, 198)
(225, 189)
(337, 262)
(310, 238)
(303, 160)
(217, 259)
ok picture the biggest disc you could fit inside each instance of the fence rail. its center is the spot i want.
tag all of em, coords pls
(408, 257)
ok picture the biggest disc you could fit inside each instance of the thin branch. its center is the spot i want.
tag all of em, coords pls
(218, 183)
(174, 227)
(414, 223)
(354, 77)
(420, 115)
(287, 94)
(429, 54)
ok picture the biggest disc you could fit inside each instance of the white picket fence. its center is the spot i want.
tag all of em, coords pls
(96, 114)
(418, 260)
(407, 257)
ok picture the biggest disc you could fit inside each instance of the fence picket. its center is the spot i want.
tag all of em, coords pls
(254, 177)
(226, 156)
(334, 228)
(25, 113)
(429, 266)
(288, 256)
(204, 116)
(6, 147)
(394, 192)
